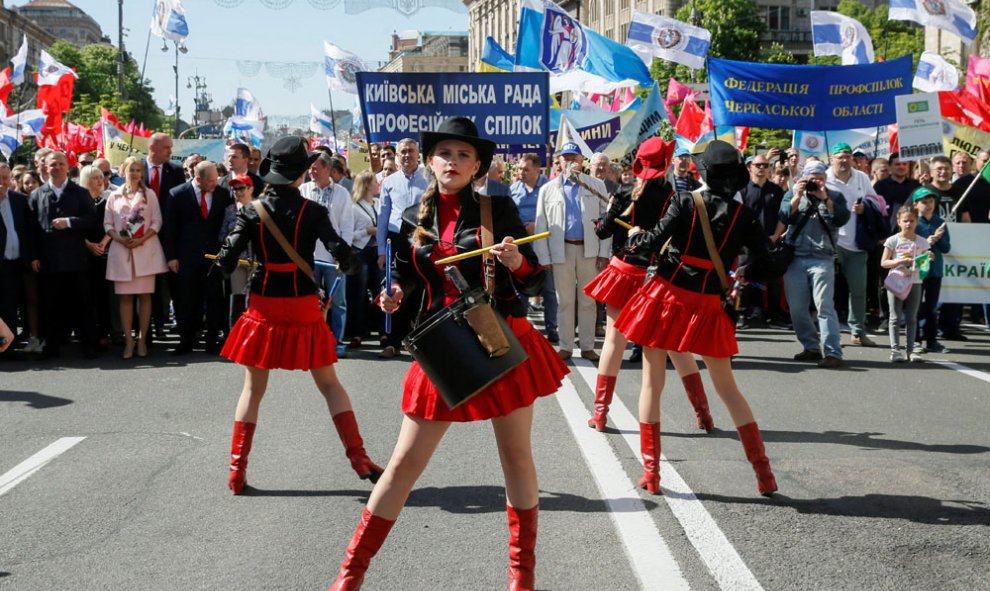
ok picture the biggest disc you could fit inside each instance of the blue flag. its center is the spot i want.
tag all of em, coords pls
(495, 57)
(577, 58)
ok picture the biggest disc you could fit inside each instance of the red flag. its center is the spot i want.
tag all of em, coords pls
(892, 136)
(963, 107)
(742, 138)
(55, 100)
(691, 120)
(676, 93)
(977, 74)
(5, 87)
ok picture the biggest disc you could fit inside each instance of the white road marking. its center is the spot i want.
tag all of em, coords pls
(715, 550)
(22, 471)
(648, 553)
(973, 373)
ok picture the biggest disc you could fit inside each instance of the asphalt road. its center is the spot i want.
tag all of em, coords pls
(883, 474)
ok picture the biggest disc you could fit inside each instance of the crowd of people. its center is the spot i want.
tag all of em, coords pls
(131, 242)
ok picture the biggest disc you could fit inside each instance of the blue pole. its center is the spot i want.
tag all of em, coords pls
(388, 283)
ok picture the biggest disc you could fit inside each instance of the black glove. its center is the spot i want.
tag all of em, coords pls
(347, 260)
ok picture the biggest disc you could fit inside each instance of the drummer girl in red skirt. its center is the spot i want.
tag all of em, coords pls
(283, 327)
(680, 308)
(616, 285)
(447, 221)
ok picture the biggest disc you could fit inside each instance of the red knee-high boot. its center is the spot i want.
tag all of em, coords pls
(649, 445)
(752, 442)
(368, 538)
(240, 447)
(347, 428)
(696, 395)
(522, 548)
(604, 389)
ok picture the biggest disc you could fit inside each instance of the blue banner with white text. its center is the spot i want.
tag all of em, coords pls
(781, 96)
(508, 109)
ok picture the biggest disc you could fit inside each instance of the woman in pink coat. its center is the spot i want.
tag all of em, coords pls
(133, 219)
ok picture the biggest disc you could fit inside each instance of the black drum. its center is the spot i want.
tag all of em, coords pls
(450, 353)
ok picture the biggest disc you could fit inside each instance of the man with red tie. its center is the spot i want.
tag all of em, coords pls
(162, 176)
(194, 215)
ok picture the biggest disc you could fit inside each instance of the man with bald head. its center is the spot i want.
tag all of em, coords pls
(63, 215)
(194, 216)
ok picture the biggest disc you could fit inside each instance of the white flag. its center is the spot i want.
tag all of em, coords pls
(246, 106)
(30, 122)
(948, 15)
(567, 134)
(169, 21)
(935, 74)
(838, 34)
(652, 36)
(19, 63)
(340, 67)
(169, 111)
(319, 124)
(10, 140)
(50, 70)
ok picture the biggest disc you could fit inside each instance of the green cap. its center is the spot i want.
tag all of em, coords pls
(922, 192)
(841, 148)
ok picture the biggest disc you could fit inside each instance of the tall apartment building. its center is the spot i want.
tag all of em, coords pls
(13, 27)
(64, 20)
(788, 21)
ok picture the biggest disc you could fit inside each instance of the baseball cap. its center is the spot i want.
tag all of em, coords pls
(242, 179)
(922, 192)
(814, 167)
(570, 148)
(682, 152)
(841, 148)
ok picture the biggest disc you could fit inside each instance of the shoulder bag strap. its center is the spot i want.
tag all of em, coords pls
(280, 238)
(706, 229)
(487, 239)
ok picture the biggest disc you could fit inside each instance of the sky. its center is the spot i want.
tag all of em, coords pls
(219, 37)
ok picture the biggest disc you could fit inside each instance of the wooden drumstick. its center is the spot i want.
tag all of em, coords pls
(481, 251)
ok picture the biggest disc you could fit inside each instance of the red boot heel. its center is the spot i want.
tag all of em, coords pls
(649, 444)
(347, 429)
(240, 447)
(604, 390)
(752, 442)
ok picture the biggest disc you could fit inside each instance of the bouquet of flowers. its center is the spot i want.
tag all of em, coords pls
(133, 223)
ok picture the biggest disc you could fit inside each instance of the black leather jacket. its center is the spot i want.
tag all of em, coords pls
(301, 221)
(734, 226)
(650, 206)
(422, 280)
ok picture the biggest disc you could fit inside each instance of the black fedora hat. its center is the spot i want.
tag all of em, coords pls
(722, 168)
(286, 161)
(464, 130)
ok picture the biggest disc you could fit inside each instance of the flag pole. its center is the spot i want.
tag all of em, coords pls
(333, 120)
(886, 43)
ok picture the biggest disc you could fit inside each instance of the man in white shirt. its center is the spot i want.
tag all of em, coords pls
(854, 241)
(323, 190)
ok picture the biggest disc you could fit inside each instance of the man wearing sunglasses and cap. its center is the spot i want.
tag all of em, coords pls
(762, 196)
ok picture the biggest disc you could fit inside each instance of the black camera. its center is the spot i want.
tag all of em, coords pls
(812, 186)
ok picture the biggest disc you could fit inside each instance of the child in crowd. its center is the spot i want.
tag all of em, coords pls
(933, 229)
(899, 252)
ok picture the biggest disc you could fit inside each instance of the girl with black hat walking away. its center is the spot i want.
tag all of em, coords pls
(616, 285)
(681, 307)
(451, 217)
(284, 326)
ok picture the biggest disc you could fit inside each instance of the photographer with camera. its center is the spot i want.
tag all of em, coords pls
(811, 275)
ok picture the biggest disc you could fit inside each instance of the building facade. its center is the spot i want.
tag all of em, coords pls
(64, 20)
(414, 51)
(788, 21)
(13, 27)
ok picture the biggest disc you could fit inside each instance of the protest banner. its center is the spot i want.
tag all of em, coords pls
(210, 149)
(643, 124)
(829, 98)
(507, 109)
(867, 141)
(966, 278)
(962, 138)
(919, 124)
(116, 148)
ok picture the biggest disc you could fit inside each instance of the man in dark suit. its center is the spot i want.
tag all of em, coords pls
(15, 247)
(194, 216)
(238, 160)
(63, 214)
(161, 175)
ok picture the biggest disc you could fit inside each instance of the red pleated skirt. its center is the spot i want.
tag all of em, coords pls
(540, 375)
(616, 285)
(281, 333)
(664, 316)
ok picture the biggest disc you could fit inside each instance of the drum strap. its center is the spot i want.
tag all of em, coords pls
(706, 230)
(487, 239)
(280, 238)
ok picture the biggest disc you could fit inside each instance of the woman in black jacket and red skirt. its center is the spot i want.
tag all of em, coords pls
(680, 308)
(616, 285)
(283, 326)
(448, 221)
